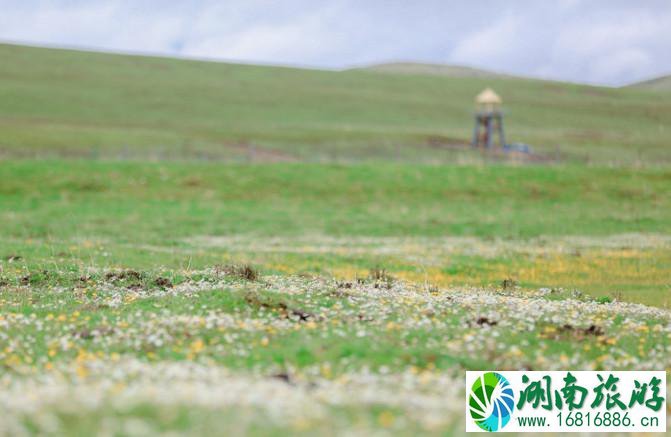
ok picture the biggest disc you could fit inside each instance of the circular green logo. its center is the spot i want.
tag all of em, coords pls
(491, 401)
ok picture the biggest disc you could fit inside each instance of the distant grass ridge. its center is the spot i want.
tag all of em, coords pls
(433, 69)
(74, 104)
(662, 83)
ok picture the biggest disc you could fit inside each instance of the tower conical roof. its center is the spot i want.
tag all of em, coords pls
(488, 97)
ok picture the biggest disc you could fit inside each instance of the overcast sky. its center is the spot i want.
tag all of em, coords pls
(599, 41)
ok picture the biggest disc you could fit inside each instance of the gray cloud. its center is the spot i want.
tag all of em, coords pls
(600, 41)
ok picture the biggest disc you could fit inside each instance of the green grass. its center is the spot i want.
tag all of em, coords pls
(366, 352)
(418, 221)
(374, 283)
(60, 103)
(133, 202)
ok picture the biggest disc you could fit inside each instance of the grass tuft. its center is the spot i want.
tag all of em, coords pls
(245, 271)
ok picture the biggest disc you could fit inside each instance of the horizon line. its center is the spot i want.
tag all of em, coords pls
(299, 66)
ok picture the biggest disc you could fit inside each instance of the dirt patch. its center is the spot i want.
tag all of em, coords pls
(163, 282)
(282, 376)
(575, 333)
(245, 271)
(591, 330)
(123, 275)
(192, 182)
(484, 321)
(87, 334)
(254, 300)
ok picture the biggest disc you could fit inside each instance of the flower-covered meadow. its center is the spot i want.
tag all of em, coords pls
(227, 349)
(210, 299)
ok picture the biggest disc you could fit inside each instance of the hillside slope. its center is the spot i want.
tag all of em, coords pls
(418, 68)
(657, 84)
(67, 103)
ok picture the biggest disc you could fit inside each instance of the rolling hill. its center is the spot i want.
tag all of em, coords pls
(417, 68)
(67, 103)
(657, 84)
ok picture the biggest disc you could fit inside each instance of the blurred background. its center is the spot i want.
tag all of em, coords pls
(380, 80)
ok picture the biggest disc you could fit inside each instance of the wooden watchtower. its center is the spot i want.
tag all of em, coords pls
(488, 120)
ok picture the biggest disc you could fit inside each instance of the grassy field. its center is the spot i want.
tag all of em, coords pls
(128, 307)
(543, 227)
(58, 103)
(153, 280)
(220, 351)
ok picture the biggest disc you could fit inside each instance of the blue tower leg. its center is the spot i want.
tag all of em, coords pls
(489, 132)
(502, 137)
(476, 132)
